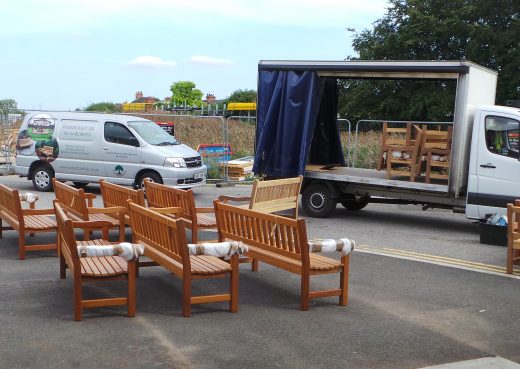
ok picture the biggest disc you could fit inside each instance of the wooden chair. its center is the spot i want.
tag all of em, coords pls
(78, 206)
(513, 236)
(165, 243)
(24, 220)
(281, 242)
(161, 196)
(272, 196)
(92, 269)
(404, 157)
(394, 137)
(435, 153)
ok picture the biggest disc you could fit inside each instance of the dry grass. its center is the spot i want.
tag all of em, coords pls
(364, 152)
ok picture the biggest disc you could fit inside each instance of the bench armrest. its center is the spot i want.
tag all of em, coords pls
(110, 210)
(90, 197)
(226, 198)
(204, 210)
(91, 224)
(172, 210)
(38, 211)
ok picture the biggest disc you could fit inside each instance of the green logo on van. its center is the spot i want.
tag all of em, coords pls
(119, 170)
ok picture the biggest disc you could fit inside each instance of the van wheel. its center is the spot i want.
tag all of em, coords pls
(42, 178)
(80, 184)
(317, 201)
(152, 176)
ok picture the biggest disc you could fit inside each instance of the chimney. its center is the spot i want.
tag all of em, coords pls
(210, 98)
(138, 95)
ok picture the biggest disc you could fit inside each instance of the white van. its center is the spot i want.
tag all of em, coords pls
(84, 147)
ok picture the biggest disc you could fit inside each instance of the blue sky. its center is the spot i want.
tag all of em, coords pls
(66, 54)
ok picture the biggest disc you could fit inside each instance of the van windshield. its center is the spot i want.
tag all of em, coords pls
(152, 133)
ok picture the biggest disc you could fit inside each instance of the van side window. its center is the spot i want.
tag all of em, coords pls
(119, 134)
(502, 136)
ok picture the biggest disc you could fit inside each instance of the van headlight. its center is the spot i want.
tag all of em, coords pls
(174, 162)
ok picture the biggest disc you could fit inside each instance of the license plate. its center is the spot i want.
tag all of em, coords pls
(198, 176)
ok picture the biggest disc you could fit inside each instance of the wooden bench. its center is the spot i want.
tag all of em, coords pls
(161, 196)
(78, 206)
(165, 243)
(92, 269)
(513, 236)
(24, 220)
(282, 243)
(114, 195)
(272, 196)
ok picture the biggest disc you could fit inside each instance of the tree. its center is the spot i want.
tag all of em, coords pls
(242, 96)
(185, 93)
(8, 106)
(484, 31)
(105, 107)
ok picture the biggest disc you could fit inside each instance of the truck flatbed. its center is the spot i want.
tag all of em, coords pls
(371, 181)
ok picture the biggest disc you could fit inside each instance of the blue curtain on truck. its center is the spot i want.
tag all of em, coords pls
(287, 111)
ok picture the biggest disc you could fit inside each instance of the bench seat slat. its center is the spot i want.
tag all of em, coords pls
(39, 222)
(204, 220)
(105, 266)
(203, 264)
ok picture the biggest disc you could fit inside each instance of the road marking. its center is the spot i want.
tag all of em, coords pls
(439, 260)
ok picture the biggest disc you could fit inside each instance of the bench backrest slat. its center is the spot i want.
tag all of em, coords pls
(10, 204)
(266, 231)
(276, 195)
(160, 232)
(161, 196)
(67, 238)
(115, 195)
(71, 199)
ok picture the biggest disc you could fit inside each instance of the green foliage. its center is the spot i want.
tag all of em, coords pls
(104, 107)
(242, 96)
(184, 92)
(486, 32)
(8, 106)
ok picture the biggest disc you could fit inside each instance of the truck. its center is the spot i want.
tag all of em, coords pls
(297, 134)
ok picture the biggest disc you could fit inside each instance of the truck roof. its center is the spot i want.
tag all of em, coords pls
(499, 109)
(376, 68)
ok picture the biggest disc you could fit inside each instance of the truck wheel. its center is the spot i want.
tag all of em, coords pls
(317, 201)
(355, 203)
(42, 178)
(152, 176)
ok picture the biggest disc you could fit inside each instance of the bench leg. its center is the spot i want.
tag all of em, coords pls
(233, 284)
(131, 287)
(21, 246)
(343, 280)
(305, 289)
(63, 267)
(77, 299)
(254, 265)
(186, 297)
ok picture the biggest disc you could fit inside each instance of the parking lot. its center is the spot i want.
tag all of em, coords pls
(423, 291)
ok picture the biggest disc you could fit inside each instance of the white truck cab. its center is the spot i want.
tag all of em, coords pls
(85, 147)
(494, 166)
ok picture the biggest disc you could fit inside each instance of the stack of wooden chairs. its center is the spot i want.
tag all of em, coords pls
(414, 151)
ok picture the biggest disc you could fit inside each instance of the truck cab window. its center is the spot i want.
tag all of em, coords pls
(502, 136)
(119, 134)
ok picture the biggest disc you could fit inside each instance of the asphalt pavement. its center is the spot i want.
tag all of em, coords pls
(402, 313)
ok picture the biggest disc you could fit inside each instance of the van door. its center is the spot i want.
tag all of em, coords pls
(497, 165)
(121, 152)
(79, 156)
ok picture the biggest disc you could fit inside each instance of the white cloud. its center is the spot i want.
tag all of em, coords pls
(146, 61)
(200, 59)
